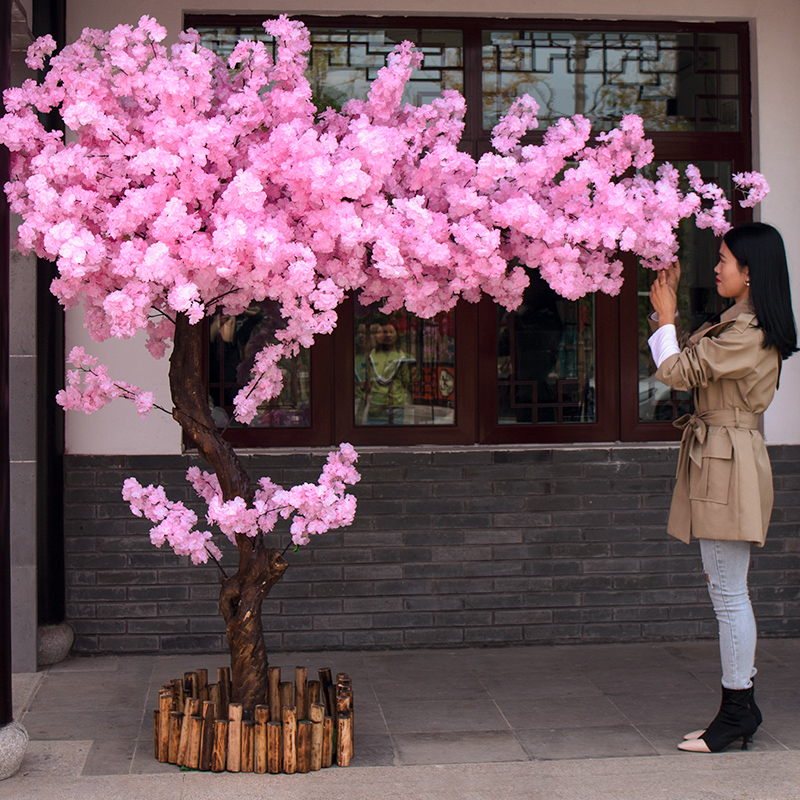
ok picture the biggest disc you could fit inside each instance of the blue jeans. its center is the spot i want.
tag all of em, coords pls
(726, 564)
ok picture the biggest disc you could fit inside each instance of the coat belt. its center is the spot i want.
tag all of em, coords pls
(695, 429)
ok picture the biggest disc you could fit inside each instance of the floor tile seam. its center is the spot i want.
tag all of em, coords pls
(505, 719)
(646, 739)
(28, 704)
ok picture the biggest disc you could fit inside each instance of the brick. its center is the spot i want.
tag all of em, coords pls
(342, 622)
(373, 604)
(582, 615)
(192, 643)
(158, 593)
(433, 603)
(162, 625)
(127, 610)
(312, 640)
(525, 520)
(434, 538)
(432, 637)
(496, 634)
(464, 618)
(523, 616)
(453, 570)
(451, 554)
(370, 638)
(551, 633)
(82, 626)
(525, 456)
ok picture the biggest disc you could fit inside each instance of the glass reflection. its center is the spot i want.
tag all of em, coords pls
(674, 81)
(546, 358)
(233, 344)
(404, 368)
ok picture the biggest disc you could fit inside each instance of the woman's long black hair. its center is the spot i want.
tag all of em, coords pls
(760, 248)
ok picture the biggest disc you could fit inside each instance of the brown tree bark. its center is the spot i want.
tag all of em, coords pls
(260, 567)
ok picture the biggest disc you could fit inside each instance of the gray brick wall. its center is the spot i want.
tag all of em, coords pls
(462, 547)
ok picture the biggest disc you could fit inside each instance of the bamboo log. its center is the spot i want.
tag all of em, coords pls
(179, 694)
(327, 741)
(165, 700)
(331, 700)
(214, 696)
(191, 681)
(274, 747)
(260, 758)
(313, 693)
(274, 693)
(304, 745)
(219, 755)
(175, 722)
(317, 714)
(202, 684)
(224, 681)
(195, 738)
(190, 709)
(155, 731)
(207, 737)
(248, 740)
(289, 740)
(301, 692)
(325, 684)
(344, 741)
(286, 689)
(235, 737)
(342, 702)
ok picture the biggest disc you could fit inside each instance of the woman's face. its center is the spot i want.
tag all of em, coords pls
(732, 279)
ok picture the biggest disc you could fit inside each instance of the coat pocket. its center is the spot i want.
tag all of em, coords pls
(712, 481)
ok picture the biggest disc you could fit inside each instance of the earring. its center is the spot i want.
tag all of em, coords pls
(747, 282)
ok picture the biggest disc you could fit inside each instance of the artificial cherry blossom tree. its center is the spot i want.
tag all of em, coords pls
(190, 186)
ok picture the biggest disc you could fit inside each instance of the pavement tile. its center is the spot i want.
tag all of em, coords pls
(565, 712)
(428, 716)
(602, 742)
(110, 757)
(373, 750)
(464, 747)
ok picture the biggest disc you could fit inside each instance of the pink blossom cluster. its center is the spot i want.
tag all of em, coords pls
(192, 184)
(315, 508)
(89, 387)
(175, 522)
(756, 187)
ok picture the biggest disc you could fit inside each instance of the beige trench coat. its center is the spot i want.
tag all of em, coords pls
(724, 481)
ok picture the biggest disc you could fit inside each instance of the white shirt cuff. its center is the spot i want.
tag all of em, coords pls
(663, 343)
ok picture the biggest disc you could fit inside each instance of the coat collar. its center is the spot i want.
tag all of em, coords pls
(742, 307)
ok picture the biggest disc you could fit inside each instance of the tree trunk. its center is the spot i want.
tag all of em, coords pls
(260, 567)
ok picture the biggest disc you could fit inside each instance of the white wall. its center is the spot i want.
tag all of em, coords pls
(775, 26)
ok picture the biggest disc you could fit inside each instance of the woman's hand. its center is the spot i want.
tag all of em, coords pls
(664, 294)
(672, 275)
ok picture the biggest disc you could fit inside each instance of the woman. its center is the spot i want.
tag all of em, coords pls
(723, 493)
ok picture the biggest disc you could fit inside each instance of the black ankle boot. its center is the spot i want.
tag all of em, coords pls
(754, 709)
(734, 720)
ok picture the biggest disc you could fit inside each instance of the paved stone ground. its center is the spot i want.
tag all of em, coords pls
(551, 722)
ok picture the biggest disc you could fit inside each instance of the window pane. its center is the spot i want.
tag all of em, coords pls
(344, 61)
(404, 368)
(546, 358)
(233, 345)
(698, 301)
(674, 81)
